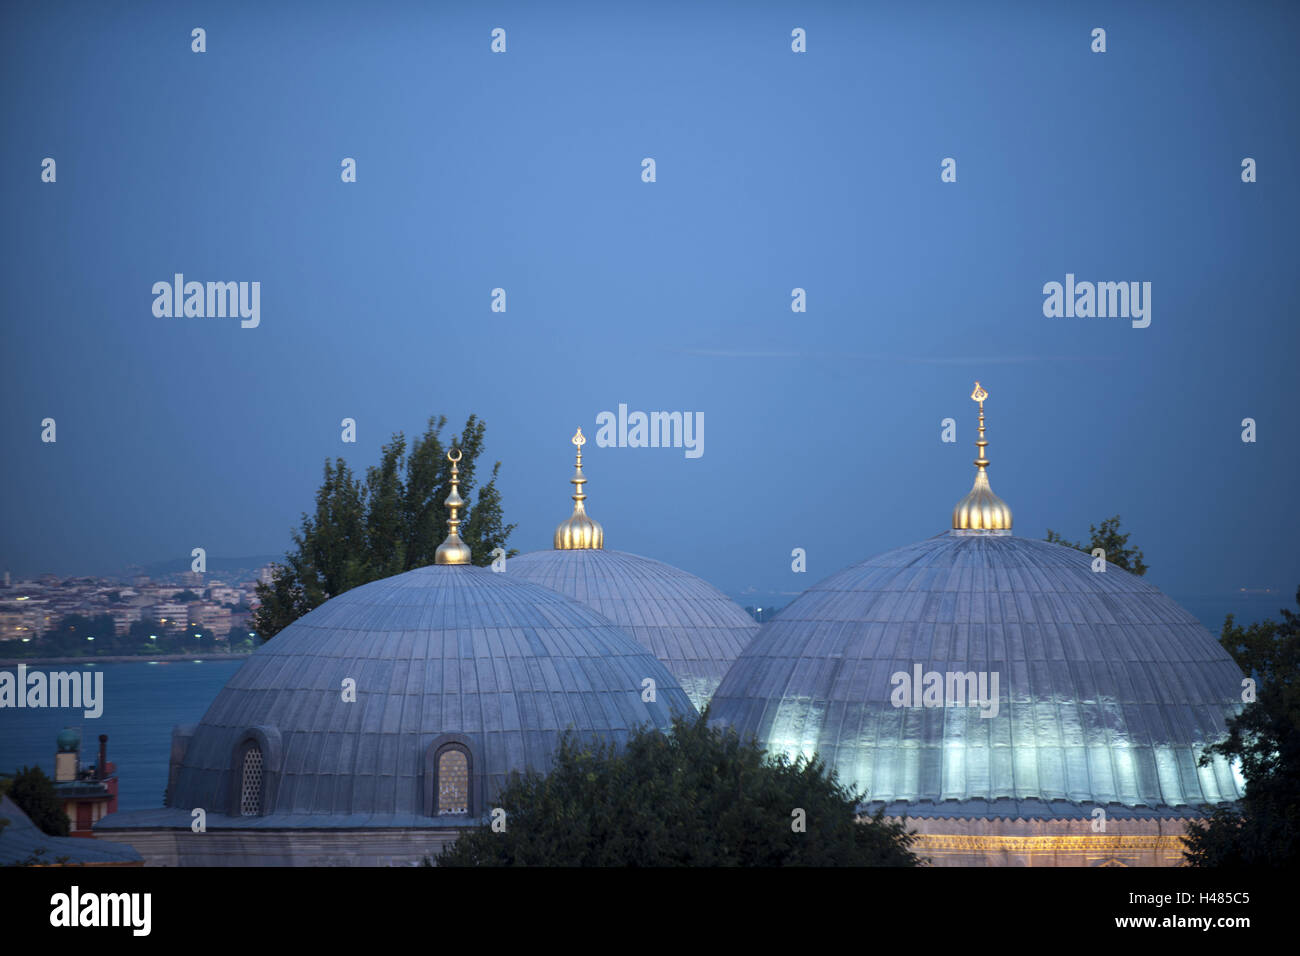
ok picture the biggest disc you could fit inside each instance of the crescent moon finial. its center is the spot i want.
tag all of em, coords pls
(453, 550)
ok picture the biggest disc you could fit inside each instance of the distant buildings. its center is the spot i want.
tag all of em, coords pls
(210, 617)
(170, 615)
(24, 615)
(29, 609)
(124, 617)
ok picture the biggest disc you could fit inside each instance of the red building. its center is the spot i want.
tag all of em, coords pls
(87, 793)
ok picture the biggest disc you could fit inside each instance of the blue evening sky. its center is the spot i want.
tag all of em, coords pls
(775, 170)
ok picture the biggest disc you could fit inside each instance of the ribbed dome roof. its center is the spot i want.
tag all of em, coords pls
(691, 626)
(505, 665)
(1108, 690)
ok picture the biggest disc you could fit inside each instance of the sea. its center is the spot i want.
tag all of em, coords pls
(143, 700)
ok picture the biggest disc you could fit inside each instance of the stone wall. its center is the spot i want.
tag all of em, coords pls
(377, 847)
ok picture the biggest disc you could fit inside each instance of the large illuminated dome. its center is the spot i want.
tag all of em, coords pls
(687, 623)
(1107, 692)
(1107, 689)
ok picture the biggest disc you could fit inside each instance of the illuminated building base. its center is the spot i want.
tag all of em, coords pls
(1049, 842)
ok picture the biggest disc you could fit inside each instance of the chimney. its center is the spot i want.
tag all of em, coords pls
(101, 769)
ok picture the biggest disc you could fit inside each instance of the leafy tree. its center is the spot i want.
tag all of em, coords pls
(1108, 538)
(67, 638)
(186, 597)
(696, 796)
(1264, 829)
(391, 521)
(34, 793)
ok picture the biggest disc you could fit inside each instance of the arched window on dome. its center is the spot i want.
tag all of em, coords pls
(251, 780)
(453, 780)
(254, 772)
(450, 786)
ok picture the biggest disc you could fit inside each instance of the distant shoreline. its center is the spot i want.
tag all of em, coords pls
(122, 659)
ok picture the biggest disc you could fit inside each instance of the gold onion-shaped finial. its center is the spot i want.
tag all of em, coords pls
(981, 510)
(453, 550)
(579, 531)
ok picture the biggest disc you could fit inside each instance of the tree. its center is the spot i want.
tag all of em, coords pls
(391, 521)
(1264, 830)
(696, 796)
(35, 795)
(68, 637)
(1108, 538)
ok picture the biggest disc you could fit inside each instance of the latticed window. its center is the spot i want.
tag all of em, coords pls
(250, 785)
(453, 781)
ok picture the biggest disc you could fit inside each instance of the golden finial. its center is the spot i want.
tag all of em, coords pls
(579, 531)
(453, 550)
(981, 510)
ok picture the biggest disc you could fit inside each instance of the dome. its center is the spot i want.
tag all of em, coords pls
(1107, 690)
(981, 674)
(687, 623)
(439, 655)
(69, 740)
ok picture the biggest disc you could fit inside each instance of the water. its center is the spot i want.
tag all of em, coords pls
(143, 700)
